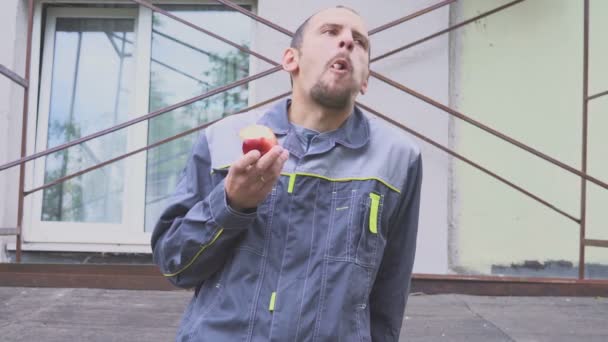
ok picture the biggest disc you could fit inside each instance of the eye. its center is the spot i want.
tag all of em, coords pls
(331, 31)
(361, 42)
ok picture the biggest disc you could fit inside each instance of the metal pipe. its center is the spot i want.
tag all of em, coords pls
(145, 148)
(142, 118)
(256, 17)
(180, 72)
(420, 41)
(583, 175)
(177, 41)
(371, 32)
(378, 74)
(148, 5)
(583, 214)
(194, 48)
(596, 243)
(410, 17)
(488, 129)
(468, 161)
(28, 56)
(445, 108)
(207, 32)
(598, 95)
(13, 76)
(122, 55)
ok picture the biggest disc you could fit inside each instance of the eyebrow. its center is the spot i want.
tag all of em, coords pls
(356, 34)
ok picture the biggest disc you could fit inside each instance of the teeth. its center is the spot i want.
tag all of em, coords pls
(338, 66)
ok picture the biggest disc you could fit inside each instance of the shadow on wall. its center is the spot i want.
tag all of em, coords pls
(29, 257)
(550, 269)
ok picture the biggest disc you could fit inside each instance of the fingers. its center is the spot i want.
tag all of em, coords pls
(274, 172)
(285, 155)
(267, 160)
(242, 165)
(277, 167)
(259, 171)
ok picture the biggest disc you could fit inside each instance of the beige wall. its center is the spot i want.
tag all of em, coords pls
(520, 71)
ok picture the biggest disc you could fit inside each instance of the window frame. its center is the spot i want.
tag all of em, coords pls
(86, 232)
(128, 236)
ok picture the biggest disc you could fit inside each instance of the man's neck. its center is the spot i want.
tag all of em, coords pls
(306, 113)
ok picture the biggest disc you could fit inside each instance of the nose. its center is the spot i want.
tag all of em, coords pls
(346, 42)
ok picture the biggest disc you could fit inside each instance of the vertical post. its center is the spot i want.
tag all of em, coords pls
(26, 90)
(581, 259)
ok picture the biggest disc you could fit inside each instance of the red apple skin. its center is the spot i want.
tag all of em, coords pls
(261, 144)
(257, 137)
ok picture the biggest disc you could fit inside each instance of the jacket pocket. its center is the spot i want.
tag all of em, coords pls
(370, 230)
(341, 233)
(355, 229)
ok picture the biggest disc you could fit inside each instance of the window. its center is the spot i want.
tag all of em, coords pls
(102, 66)
(91, 88)
(186, 63)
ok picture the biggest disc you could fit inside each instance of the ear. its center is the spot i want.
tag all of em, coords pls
(363, 89)
(290, 60)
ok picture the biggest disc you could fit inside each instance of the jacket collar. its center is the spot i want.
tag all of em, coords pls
(354, 132)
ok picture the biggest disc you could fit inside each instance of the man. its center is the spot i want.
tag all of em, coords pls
(314, 244)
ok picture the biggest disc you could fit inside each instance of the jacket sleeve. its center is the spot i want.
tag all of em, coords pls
(198, 230)
(391, 288)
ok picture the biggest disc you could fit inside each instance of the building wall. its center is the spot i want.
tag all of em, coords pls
(424, 68)
(520, 72)
(12, 54)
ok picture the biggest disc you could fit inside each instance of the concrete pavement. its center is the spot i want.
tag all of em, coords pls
(49, 314)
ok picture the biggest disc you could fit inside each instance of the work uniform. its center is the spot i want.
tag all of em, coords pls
(327, 256)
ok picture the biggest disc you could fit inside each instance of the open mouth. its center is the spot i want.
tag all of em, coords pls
(340, 65)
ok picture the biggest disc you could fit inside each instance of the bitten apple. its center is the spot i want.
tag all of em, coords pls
(257, 137)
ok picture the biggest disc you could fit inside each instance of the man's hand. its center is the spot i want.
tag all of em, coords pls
(251, 178)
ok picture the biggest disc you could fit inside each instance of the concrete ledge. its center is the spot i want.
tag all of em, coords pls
(508, 286)
(148, 277)
(128, 277)
(8, 231)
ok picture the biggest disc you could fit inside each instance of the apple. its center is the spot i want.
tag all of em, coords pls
(257, 137)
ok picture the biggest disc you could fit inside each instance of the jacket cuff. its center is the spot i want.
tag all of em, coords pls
(225, 216)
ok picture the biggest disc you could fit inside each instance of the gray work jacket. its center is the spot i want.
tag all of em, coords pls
(327, 256)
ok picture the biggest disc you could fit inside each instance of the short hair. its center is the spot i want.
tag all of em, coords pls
(298, 36)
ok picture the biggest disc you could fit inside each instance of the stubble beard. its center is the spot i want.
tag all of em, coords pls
(336, 99)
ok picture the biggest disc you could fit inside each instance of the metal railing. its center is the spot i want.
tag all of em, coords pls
(582, 173)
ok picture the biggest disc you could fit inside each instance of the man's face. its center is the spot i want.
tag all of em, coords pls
(333, 62)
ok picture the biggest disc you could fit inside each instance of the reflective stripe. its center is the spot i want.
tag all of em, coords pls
(273, 296)
(373, 213)
(220, 168)
(292, 179)
(292, 183)
(203, 247)
(341, 179)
